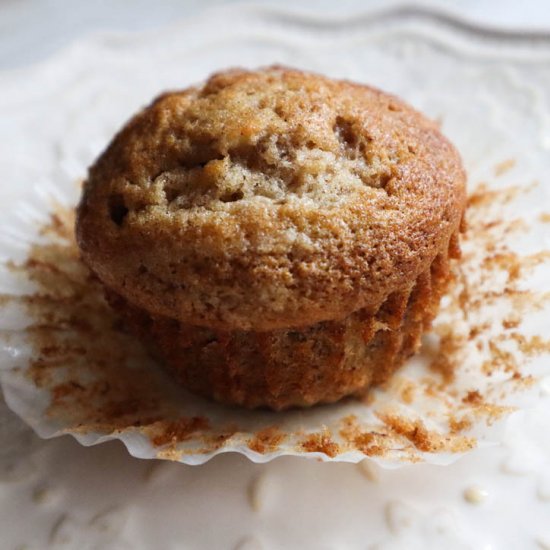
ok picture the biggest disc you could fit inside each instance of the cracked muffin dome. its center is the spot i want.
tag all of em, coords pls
(269, 199)
(278, 238)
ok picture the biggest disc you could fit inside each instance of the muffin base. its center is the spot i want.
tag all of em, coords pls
(297, 367)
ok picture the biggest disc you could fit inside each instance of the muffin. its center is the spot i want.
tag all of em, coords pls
(277, 238)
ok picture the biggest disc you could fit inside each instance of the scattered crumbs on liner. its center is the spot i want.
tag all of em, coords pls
(82, 355)
(171, 432)
(266, 440)
(249, 543)
(259, 490)
(503, 167)
(475, 494)
(399, 516)
(544, 217)
(369, 470)
(424, 439)
(320, 442)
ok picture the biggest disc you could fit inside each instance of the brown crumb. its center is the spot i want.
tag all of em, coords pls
(458, 425)
(480, 407)
(320, 442)
(414, 431)
(501, 359)
(178, 430)
(408, 391)
(504, 260)
(492, 412)
(444, 363)
(473, 398)
(368, 442)
(423, 439)
(503, 167)
(266, 440)
(511, 322)
(531, 346)
(483, 196)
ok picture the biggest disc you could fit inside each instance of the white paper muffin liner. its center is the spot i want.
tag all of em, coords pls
(68, 367)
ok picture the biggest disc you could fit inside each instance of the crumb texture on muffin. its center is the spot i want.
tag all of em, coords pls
(269, 200)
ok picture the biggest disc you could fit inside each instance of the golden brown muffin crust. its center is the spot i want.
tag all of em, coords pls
(269, 199)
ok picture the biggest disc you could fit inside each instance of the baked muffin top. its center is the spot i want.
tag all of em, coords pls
(269, 199)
